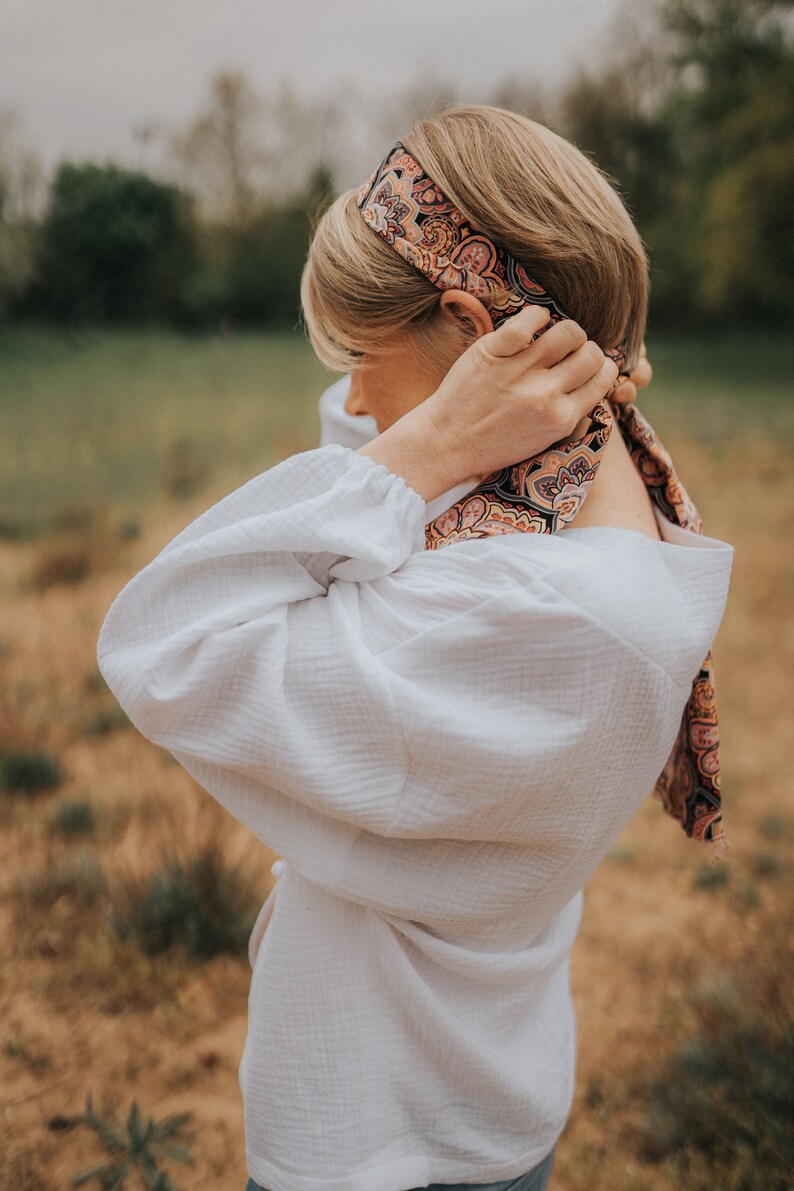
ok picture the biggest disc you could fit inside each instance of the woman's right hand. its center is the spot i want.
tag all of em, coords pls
(639, 378)
(507, 397)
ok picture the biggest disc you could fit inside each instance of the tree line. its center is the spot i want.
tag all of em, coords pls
(691, 118)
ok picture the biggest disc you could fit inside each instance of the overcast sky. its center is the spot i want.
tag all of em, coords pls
(83, 75)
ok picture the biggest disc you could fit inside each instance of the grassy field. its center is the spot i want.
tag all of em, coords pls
(126, 893)
(117, 419)
(123, 419)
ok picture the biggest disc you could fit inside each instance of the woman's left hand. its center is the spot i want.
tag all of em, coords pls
(640, 378)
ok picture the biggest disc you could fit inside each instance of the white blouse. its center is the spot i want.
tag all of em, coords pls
(442, 745)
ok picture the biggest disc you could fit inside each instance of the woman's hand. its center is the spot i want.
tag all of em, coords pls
(508, 397)
(640, 378)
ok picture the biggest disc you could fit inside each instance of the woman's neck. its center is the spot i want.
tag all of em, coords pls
(618, 495)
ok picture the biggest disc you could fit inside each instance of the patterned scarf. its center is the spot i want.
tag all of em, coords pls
(543, 494)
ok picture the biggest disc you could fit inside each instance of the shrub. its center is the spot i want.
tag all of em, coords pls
(766, 864)
(16, 529)
(80, 879)
(72, 818)
(199, 905)
(140, 1144)
(84, 542)
(713, 876)
(773, 826)
(128, 530)
(74, 519)
(184, 472)
(621, 855)
(107, 719)
(62, 564)
(29, 772)
(95, 682)
(722, 1110)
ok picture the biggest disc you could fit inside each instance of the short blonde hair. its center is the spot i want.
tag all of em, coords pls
(530, 191)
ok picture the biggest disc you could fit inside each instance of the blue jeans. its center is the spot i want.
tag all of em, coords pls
(534, 1180)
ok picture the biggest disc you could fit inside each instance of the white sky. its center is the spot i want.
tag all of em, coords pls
(84, 74)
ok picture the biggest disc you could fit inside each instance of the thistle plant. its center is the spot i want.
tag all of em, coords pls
(139, 1145)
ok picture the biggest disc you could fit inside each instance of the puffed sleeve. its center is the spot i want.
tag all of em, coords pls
(227, 650)
(328, 681)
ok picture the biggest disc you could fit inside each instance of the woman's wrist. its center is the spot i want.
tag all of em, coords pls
(414, 449)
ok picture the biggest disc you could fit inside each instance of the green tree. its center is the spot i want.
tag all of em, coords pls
(619, 118)
(266, 257)
(634, 146)
(730, 111)
(748, 245)
(722, 52)
(115, 246)
(697, 135)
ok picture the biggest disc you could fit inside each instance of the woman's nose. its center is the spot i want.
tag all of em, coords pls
(354, 402)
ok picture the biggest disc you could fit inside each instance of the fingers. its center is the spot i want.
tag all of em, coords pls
(517, 332)
(642, 375)
(625, 393)
(582, 400)
(558, 342)
(577, 368)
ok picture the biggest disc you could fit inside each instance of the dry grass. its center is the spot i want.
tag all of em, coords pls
(666, 949)
(664, 931)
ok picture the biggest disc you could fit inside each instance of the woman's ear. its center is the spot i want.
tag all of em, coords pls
(463, 308)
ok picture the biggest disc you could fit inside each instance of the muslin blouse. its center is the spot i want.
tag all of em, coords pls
(442, 745)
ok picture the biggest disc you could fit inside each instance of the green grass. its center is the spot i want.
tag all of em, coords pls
(140, 1144)
(198, 903)
(715, 389)
(110, 419)
(96, 422)
(72, 818)
(29, 772)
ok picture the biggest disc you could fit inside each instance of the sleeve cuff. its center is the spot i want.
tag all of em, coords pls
(393, 518)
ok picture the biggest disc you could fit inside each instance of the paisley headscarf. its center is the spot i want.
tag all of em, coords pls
(543, 494)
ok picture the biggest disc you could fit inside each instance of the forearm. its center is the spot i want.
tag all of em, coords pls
(412, 448)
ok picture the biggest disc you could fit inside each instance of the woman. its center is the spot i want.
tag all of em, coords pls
(439, 674)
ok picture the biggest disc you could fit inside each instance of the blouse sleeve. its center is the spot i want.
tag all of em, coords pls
(322, 678)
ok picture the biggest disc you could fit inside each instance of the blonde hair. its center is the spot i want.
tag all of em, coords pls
(530, 191)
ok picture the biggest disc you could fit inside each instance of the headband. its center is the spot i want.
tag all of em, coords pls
(411, 212)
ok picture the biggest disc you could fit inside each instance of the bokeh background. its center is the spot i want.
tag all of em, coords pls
(160, 170)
